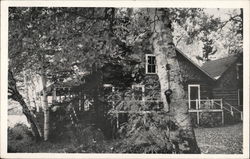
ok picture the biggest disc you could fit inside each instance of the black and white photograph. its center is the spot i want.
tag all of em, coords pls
(125, 80)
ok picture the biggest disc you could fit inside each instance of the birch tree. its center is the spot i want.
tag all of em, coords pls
(14, 94)
(169, 74)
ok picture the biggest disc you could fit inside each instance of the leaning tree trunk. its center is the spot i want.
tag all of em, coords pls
(15, 95)
(170, 77)
(44, 99)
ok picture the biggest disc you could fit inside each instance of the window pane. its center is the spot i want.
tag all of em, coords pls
(138, 93)
(153, 60)
(107, 90)
(149, 59)
(149, 69)
(153, 69)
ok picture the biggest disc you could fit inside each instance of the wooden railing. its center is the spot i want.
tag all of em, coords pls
(206, 104)
(232, 109)
(210, 105)
(129, 105)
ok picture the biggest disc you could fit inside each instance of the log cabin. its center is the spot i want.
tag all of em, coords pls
(215, 87)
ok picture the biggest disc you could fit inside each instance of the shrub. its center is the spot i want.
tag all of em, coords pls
(18, 137)
(149, 134)
(210, 119)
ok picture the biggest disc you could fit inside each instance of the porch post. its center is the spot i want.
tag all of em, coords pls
(196, 104)
(221, 104)
(198, 117)
(212, 101)
(54, 95)
(222, 117)
(197, 109)
(231, 109)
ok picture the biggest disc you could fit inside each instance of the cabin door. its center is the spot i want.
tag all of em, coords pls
(194, 96)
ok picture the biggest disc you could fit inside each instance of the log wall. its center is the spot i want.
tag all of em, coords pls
(227, 86)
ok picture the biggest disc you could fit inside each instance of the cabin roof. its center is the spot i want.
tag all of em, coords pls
(216, 68)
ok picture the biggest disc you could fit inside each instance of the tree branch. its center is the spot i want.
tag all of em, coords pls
(177, 42)
(229, 20)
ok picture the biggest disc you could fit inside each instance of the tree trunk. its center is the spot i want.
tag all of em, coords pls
(26, 88)
(44, 99)
(15, 95)
(34, 95)
(170, 77)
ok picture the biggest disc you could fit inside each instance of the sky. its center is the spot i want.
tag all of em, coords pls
(221, 12)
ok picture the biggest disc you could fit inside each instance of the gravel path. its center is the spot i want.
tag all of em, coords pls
(220, 140)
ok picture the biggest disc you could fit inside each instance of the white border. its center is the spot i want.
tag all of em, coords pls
(186, 4)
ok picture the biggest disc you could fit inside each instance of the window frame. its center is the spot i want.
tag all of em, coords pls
(109, 86)
(112, 90)
(146, 70)
(142, 88)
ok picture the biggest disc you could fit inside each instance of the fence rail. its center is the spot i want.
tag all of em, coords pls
(205, 104)
(232, 110)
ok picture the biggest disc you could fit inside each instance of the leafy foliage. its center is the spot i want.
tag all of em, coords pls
(210, 34)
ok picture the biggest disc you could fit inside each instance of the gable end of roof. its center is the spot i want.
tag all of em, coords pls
(202, 70)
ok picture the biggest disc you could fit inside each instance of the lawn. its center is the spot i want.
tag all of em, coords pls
(220, 140)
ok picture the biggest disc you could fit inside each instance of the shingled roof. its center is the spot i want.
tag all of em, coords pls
(217, 67)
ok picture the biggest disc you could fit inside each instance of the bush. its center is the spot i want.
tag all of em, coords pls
(149, 134)
(210, 119)
(18, 137)
(90, 139)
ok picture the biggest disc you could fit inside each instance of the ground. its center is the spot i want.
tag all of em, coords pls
(220, 140)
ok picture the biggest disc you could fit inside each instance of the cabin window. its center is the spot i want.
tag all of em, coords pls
(239, 68)
(138, 92)
(61, 94)
(107, 90)
(150, 64)
(240, 97)
(194, 96)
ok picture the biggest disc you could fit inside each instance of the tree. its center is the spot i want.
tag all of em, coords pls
(30, 47)
(169, 74)
(15, 95)
(206, 35)
(171, 87)
(55, 38)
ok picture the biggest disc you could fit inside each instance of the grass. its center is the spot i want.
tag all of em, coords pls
(220, 140)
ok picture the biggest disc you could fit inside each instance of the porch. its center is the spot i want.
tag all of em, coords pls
(199, 106)
(214, 106)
